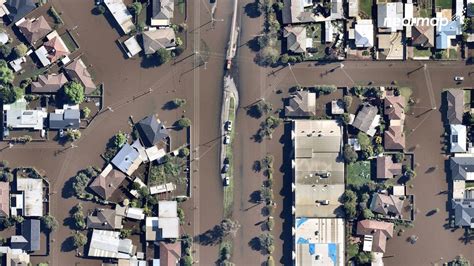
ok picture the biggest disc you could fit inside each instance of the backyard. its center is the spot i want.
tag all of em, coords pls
(444, 4)
(358, 173)
(315, 32)
(365, 8)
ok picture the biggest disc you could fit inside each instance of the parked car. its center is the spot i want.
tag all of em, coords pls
(225, 169)
(61, 133)
(323, 202)
(228, 125)
(226, 181)
(226, 139)
(458, 78)
(226, 160)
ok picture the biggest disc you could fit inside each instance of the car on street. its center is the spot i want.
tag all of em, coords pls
(225, 168)
(226, 181)
(228, 125)
(458, 78)
(226, 139)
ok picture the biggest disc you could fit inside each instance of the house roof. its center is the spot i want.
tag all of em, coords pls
(19, 8)
(364, 33)
(423, 36)
(78, 70)
(4, 199)
(388, 205)
(159, 228)
(394, 107)
(153, 40)
(390, 16)
(104, 219)
(33, 196)
(56, 48)
(127, 159)
(295, 38)
(379, 230)
(107, 182)
(34, 29)
(394, 138)
(455, 108)
(458, 138)
(462, 168)
(50, 83)
(30, 229)
(107, 244)
(162, 9)
(121, 14)
(65, 119)
(463, 212)
(447, 32)
(151, 130)
(170, 253)
(293, 12)
(303, 103)
(365, 118)
(386, 168)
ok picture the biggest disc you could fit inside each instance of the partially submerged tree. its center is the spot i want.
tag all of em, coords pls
(74, 91)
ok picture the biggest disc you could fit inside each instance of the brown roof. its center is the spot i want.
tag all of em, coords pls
(48, 83)
(105, 186)
(78, 70)
(423, 36)
(380, 230)
(104, 219)
(455, 101)
(4, 199)
(394, 138)
(303, 103)
(56, 48)
(387, 205)
(34, 29)
(394, 107)
(386, 168)
(170, 253)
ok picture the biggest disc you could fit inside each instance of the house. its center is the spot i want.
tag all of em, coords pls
(153, 40)
(152, 131)
(387, 205)
(107, 182)
(13, 257)
(170, 253)
(55, 48)
(394, 110)
(130, 212)
(29, 240)
(367, 119)
(318, 169)
(375, 234)
(19, 117)
(121, 15)
(462, 168)
(298, 11)
(33, 29)
(128, 159)
(295, 39)
(32, 191)
(17, 9)
(108, 244)
(445, 34)
(337, 9)
(162, 12)
(105, 219)
(455, 106)
(67, 118)
(463, 212)
(4, 199)
(337, 107)
(458, 138)
(132, 46)
(423, 36)
(353, 9)
(301, 104)
(386, 168)
(49, 83)
(166, 225)
(363, 33)
(390, 17)
(77, 70)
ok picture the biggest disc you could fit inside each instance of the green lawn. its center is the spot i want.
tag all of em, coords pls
(315, 31)
(358, 173)
(365, 7)
(444, 4)
(181, 6)
(467, 100)
(406, 92)
(422, 52)
(425, 13)
(453, 54)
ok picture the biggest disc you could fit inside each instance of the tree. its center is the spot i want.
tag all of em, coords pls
(11, 94)
(284, 58)
(183, 122)
(6, 74)
(181, 215)
(266, 242)
(259, 109)
(349, 199)
(49, 222)
(78, 216)
(178, 102)
(162, 56)
(5, 50)
(350, 155)
(268, 56)
(367, 213)
(228, 227)
(73, 134)
(184, 152)
(347, 101)
(120, 139)
(364, 257)
(364, 140)
(20, 50)
(136, 8)
(74, 92)
(352, 250)
(399, 157)
(79, 239)
(79, 184)
(86, 112)
(100, 9)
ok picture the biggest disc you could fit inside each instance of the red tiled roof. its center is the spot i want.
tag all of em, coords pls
(34, 29)
(56, 49)
(170, 253)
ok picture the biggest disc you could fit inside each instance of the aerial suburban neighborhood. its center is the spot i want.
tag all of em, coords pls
(237, 132)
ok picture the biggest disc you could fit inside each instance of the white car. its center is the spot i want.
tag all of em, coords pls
(228, 125)
(458, 78)
(226, 139)
(226, 181)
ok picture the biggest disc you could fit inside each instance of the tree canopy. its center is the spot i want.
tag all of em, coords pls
(6, 74)
(74, 91)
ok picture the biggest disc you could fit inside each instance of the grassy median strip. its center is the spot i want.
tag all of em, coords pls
(229, 190)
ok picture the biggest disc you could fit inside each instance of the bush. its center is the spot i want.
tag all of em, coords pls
(184, 152)
(347, 101)
(86, 112)
(100, 9)
(5, 50)
(364, 140)
(367, 213)
(268, 56)
(259, 109)
(350, 155)
(178, 102)
(6, 74)
(266, 242)
(136, 8)
(73, 134)
(162, 56)
(80, 240)
(181, 215)
(120, 139)
(183, 123)
(20, 50)
(49, 222)
(399, 157)
(324, 89)
(74, 92)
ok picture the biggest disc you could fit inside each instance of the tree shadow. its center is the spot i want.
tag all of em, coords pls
(68, 188)
(254, 244)
(252, 10)
(255, 197)
(257, 166)
(68, 244)
(253, 44)
(431, 213)
(209, 238)
(169, 106)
